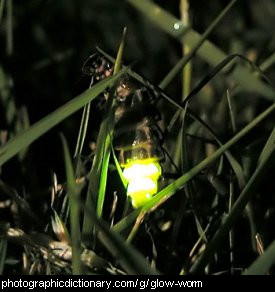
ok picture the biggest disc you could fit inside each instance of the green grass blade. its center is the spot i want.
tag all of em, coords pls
(268, 62)
(208, 51)
(118, 168)
(81, 138)
(181, 181)
(73, 193)
(82, 130)
(24, 139)
(103, 176)
(93, 198)
(180, 152)
(118, 62)
(187, 70)
(237, 209)
(263, 263)
(2, 5)
(126, 221)
(110, 122)
(3, 252)
(268, 148)
(231, 112)
(9, 31)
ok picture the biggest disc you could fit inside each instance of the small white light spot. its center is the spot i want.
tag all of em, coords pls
(176, 25)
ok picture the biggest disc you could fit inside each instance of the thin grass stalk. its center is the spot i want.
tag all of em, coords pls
(268, 62)
(187, 70)
(81, 137)
(3, 253)
(2, 5)
(9, 31)
(110, 124)
(73, 193)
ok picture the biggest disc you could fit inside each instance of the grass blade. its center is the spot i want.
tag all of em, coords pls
(263, 263)
(268, 62)
(3, 252)
(231, 112)
(82, 130)
(110, 122)
(118, 169)
(73, 193)
(9, 31)
(2, 5)
(24, 139)
(268, 148)
(187, 70)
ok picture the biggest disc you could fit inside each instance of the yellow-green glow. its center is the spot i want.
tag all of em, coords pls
(141, 189)
(142, 168)
(142, 177)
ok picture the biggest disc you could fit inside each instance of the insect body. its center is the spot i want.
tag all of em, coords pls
(137, 136)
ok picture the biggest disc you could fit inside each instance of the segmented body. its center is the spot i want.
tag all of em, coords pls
(137, 136)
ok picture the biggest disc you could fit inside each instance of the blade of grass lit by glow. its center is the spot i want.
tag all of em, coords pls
(110, 121)
(181, 181)
(98, 175)
(25, 138)
(119, 170)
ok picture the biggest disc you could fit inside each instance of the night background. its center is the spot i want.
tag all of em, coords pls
(43, 46)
